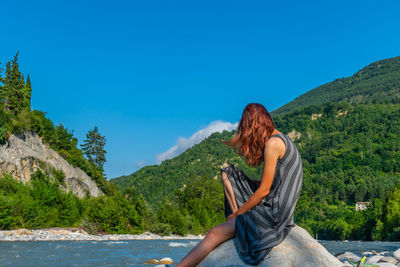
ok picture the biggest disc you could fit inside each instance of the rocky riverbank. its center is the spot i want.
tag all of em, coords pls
(381, 259)
(75, 234)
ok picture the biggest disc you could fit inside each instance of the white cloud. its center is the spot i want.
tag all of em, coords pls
(184, 143)
(140, 163)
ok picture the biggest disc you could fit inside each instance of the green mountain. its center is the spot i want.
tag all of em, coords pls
(378, 82)
(347, 133)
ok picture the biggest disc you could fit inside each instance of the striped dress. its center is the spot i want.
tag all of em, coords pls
(269, 222)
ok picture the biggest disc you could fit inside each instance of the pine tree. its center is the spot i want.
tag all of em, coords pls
(28, 93)
(1, 71)
(14, 89)
(93, 148)
(5, 89)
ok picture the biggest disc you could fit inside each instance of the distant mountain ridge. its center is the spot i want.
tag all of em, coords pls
(379, 82)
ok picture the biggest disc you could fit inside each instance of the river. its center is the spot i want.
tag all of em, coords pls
(130, 252)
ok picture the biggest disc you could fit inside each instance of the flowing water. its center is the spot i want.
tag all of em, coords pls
(130, 253)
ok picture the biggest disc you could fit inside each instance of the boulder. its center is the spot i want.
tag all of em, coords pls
(389, 259)
(373, 259)
(297, 249)
(348, 255)
(396, 254)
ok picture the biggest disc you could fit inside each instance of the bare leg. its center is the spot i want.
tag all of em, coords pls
(214, 237)
(230, 196)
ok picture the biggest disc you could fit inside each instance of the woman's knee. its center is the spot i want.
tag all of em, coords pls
(222, 231)
(214, 234)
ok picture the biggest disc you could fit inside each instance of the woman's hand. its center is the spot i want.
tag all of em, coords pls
(233, 215)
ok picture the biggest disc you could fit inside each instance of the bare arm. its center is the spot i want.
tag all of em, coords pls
(274, 148)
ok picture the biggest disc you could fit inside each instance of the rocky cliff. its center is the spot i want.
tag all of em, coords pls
(22, 155)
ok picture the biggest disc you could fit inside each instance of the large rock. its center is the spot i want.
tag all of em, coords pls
(22, 155)
(297, 249)
(348, 256)
(373, 259)
(389, 259)
(396, 254)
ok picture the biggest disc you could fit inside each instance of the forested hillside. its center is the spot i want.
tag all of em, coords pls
(378, 82)
(345, 153)
(351, 152)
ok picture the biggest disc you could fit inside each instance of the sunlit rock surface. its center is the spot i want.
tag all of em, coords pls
(22, 155)
(298, 249)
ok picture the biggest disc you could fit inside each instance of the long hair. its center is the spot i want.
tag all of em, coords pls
(254, 128)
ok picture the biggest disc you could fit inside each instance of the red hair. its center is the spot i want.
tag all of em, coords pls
(254, 128)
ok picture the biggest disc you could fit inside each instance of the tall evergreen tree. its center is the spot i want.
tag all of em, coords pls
(28, 93)
(14, 89)
(5, 89)
(1, 73)
(93, 148)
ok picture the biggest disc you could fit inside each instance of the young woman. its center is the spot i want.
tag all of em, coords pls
(259, 214)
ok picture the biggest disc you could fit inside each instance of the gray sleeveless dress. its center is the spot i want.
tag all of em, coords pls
(267, 224)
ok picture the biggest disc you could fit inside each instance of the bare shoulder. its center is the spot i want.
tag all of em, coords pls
(275, 146)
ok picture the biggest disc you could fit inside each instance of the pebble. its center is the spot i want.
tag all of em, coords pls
(166, 260)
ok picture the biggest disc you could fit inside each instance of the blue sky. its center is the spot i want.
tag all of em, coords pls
(151, 74)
